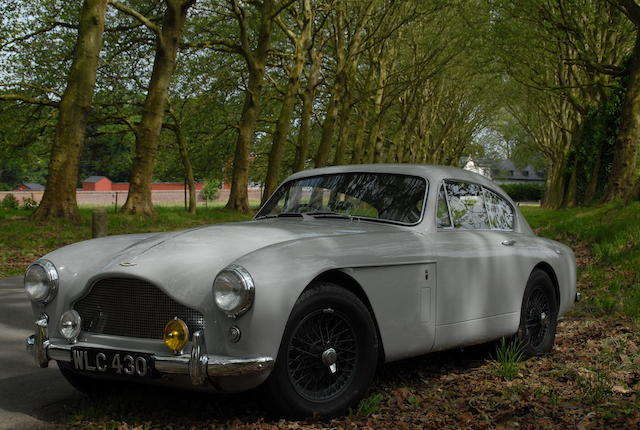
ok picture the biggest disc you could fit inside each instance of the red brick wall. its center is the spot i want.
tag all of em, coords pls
(109, 197)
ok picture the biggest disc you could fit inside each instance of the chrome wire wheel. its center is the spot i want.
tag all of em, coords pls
(322, 355)
(538, 317)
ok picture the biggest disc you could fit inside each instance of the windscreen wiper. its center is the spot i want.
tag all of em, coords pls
(281, 215)
(329, 214)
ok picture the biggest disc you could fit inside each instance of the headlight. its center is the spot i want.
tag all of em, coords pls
(41, 281)
(233, 290)
(70, 324)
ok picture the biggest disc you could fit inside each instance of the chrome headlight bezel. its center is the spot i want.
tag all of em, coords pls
(51, 283)
(245, 281)
(70, 320)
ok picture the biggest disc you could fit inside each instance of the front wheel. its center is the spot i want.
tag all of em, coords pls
(539, 315)
(327, 356)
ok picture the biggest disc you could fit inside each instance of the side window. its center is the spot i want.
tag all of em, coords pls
(500, 212)
(442, 211)
(466, 204)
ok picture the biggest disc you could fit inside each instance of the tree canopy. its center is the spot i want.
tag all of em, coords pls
(250, 91)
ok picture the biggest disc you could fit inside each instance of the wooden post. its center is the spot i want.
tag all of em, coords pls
(115, 205)
(99, 223)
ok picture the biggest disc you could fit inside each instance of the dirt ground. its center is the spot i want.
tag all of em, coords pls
(591, 380)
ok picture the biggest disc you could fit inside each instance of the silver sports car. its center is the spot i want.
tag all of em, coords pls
(344, 268)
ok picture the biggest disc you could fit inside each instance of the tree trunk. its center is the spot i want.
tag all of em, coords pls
(186, 161)
(256, 60)
(304, 135)
(571, 196)
(344, 127)
(328, 127)
(622, 183)
(283, 124)
(148, 132)
(556, 184)
(59, 199)
(375, 144)
(592, 186)
(358, 139)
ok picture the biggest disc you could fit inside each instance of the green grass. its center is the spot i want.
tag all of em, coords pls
(22, 241)
(367, 406)
(508, 356)
(607, 244)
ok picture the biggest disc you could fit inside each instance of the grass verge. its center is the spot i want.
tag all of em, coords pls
(606, 240)
(22, 241)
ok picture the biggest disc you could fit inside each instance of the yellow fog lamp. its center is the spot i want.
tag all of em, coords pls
(176, 334)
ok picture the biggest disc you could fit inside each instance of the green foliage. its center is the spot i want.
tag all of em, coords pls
(412, 401)
(9, 202)
(594, 154)
(524, 192)
(211, 189)
(508, 356)
(367, 406)
(609, 238)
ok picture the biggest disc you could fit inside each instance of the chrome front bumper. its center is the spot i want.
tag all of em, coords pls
(198, 364)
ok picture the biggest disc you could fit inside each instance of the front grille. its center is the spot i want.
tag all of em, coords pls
(132, 308)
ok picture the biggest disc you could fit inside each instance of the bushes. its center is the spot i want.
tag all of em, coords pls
(9, 202)
(29, 203)
(211, 189)
(524, 192)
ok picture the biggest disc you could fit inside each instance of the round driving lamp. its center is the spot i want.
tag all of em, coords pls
(70, 324)
(41, 281)
(233, 290)
(176, 334)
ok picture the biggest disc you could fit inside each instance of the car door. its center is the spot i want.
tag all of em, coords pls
(474, 243)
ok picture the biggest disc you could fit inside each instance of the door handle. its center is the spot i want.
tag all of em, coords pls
(509, 242)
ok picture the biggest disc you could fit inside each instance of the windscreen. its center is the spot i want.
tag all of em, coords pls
(379, 196)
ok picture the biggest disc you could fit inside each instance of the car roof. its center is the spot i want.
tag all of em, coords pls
(434, 173)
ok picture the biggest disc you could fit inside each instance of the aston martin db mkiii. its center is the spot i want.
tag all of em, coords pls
(344, 268)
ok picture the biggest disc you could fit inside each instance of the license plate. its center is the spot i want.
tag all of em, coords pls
(112, 362)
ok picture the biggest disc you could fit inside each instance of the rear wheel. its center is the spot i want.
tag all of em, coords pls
(327, 357)
(539, 315)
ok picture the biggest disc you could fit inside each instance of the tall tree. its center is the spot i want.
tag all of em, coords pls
(167, 39)
(59, 199)
(256, 59)
(624, 174)
(283, 124)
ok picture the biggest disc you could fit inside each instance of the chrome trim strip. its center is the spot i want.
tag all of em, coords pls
(59, 352)
(227, 366)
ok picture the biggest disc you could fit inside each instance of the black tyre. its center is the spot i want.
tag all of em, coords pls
(92, 387)
(539, 315)
(327, 356)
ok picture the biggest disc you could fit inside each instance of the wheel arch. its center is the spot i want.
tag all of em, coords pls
(343, 280)
(546, 267)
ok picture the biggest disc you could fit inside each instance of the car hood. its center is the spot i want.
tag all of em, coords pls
(181, 260)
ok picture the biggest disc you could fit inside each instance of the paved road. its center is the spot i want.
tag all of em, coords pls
(29, 396)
